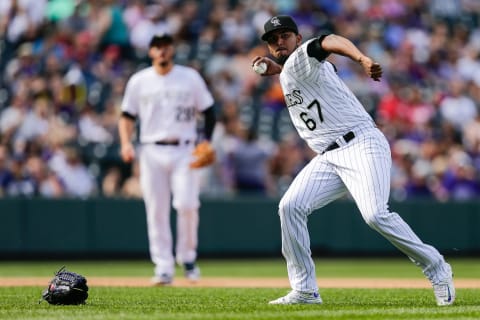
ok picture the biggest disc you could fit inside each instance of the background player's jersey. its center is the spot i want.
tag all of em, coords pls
(166, 104)
(321, 106)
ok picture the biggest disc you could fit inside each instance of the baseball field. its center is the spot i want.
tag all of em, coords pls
(353, 288)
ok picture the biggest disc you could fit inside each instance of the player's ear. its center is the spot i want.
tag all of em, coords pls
(299, 38)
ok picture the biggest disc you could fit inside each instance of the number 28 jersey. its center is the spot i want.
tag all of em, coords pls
(321, 106)
(166, 105)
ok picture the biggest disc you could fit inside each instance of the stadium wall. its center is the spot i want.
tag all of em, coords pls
(228, 227)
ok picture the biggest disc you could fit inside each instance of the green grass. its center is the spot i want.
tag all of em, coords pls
(243, 304)
(238, 303)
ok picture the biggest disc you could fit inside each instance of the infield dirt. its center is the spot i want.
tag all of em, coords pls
(219, 282)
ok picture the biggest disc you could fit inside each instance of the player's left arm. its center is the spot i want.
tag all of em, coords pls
(209, 122)
(337, 44)
(126, 126)
(204, 104)
(204, 154)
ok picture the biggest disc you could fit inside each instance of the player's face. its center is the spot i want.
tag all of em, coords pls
(282, 43)
(161, 55)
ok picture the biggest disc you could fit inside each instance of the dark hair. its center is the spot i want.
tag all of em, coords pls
(160, 39)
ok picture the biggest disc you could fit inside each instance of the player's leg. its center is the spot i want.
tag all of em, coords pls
(185, 187)
(367, 177)
(154, 181)
(314, 187)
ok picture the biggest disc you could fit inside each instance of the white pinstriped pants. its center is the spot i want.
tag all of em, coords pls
(164, 171)
(362, 167)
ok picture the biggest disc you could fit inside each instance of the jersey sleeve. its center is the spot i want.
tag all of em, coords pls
(302, 63)
(130, 99)
(203, 97)
(315, 50)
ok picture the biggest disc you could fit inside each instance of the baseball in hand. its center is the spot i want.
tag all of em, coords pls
(260, 67)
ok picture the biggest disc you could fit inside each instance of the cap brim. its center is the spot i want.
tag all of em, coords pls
(264, 37)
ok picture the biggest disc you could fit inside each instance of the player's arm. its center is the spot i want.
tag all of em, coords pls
(209, 122)
(126, 126)
(337, 44)
(204, 154)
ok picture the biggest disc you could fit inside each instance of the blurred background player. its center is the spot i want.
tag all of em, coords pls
(165, 99)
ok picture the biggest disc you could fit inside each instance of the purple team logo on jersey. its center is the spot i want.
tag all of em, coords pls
(293, 98)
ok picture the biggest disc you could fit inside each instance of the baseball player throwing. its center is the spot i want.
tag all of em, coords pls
(165, 98)
(352, 156)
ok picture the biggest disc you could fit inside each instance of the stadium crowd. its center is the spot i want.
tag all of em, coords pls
(64, 64)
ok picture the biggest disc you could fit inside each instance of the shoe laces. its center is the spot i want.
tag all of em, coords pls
(442, 290)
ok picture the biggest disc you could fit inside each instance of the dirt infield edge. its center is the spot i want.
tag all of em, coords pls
(220, 282)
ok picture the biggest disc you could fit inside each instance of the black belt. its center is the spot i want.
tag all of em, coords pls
(347, 137)
(170, 142)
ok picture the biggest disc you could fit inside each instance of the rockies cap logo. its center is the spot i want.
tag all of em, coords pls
(275, 21)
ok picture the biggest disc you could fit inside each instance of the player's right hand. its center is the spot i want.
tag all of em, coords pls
(127, 152)
(272, 66)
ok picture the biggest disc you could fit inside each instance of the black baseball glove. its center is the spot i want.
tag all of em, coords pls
(66, 288)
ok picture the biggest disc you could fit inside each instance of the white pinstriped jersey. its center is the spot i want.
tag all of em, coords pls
(166, 104)
(323, 109)
(321, 106)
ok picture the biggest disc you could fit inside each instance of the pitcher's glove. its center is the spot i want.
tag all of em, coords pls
(66, 288)
(204, 155)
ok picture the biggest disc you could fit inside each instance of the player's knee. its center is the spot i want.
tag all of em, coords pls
(371, 221)
(284, 207)
(187, 210)
(377, 219)
(289, 206)
(186, 206)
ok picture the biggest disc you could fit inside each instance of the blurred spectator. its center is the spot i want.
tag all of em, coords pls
(12, 116)
(90, 127)
(219, 178)
(47, 183)
(64, 63)
(151, 20)
(5, 173)
(112, 182)
(287, 161)
(107, 26)
(20, 19)
(131, 186)
(251, 165)
(471, 136)
(392, 109)
(61, 9)
(35, 124)
(21, 183)
(73, 173)
(227, 86)
(418, 186)
(457, 108)
(460, 179)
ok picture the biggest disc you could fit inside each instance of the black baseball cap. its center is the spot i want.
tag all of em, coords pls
(279, 22)
(161, 39)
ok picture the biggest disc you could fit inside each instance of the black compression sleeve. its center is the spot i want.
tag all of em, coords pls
(315, 49)
(129, 115)
(210, 120)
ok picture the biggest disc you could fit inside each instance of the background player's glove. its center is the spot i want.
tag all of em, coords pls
(204, 155)
(66, 288)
